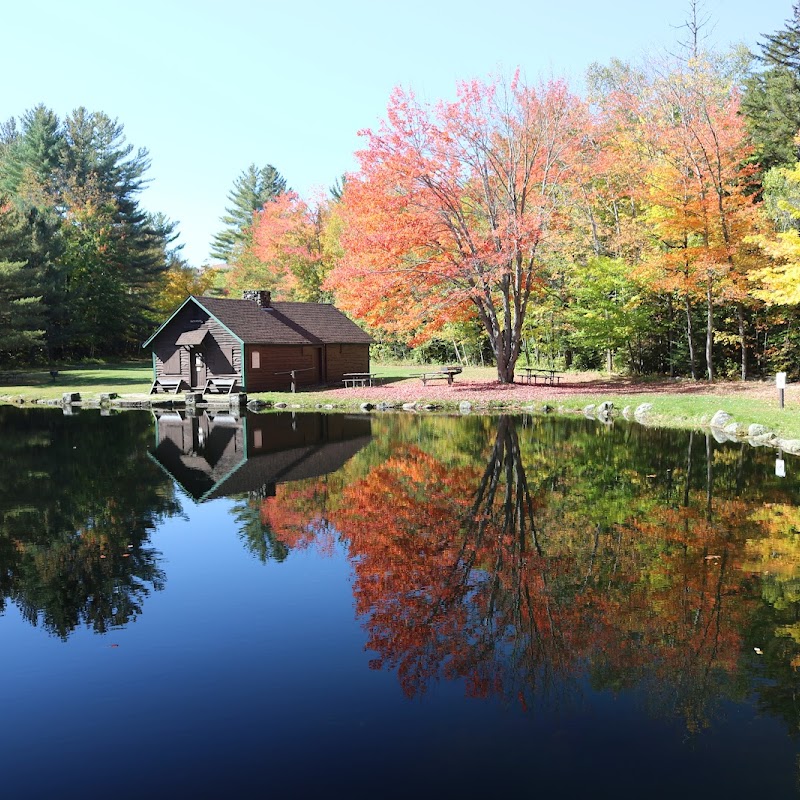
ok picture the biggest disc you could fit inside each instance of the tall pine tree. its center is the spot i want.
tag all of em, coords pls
(251, 189)
(96, 253)
(21, 311)
(771, 102)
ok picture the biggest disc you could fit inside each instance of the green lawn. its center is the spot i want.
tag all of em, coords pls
(126, 378)
(695, 411)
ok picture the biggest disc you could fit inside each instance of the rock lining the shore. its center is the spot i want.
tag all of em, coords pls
(722, 425)
(724, 428)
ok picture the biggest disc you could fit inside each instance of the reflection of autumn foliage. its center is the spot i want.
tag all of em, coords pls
(449, 574)
(296, 515)
(678, 623)
(466, 573)
(410, 578)
(517, 560)
(776, 558)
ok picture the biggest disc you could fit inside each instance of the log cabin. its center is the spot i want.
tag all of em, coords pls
(256, 345)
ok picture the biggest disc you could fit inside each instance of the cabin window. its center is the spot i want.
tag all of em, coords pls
(255, 361)
(258, 440)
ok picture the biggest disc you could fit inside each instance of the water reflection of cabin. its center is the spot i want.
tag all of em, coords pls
(217, 455)
(258, 342)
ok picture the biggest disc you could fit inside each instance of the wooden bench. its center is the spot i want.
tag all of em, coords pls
(547, 375)
(221, 383)
(169, 385)
(353, 379)
(445, 373)
(436, 376)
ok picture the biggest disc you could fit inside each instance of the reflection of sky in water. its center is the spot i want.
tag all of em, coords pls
(243, 679)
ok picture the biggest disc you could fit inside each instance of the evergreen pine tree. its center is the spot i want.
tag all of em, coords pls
(771, 101)
(97, 255)
(30, 158)
(251, 189)
(21, 317)
(21, 310)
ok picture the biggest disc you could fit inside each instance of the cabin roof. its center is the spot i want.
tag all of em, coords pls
(280, 323)
(192, 337)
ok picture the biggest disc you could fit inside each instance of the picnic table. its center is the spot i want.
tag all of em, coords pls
(358, 379)
(445, 373)
(169, 384)
(221, 383)
(550, 376)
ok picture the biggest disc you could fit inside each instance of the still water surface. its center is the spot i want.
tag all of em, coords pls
(393, 606)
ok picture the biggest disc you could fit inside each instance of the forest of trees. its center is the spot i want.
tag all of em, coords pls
(650, 224)
(81, 263)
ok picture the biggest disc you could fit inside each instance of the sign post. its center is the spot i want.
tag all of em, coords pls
(780, 382)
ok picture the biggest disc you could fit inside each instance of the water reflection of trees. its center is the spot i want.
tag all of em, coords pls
(78, 501)
(571, 550)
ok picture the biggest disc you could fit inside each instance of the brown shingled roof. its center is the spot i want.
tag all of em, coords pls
(285, 323)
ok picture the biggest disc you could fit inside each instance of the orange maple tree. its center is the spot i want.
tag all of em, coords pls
(285, 252)
(453, 210)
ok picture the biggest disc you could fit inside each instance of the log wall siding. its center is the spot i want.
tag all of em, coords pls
(344, 358)
(222, 351)
(280, 358)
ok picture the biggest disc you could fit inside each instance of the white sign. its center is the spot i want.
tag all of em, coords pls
(780, 380)
(780, 467)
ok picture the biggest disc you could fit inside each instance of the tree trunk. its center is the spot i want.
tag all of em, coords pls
(690, 338)
(709, 329)
(670, 316)
(458, 355)
(742, 339)
(506, 351)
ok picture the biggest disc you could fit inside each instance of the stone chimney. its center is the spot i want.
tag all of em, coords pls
(261, 297)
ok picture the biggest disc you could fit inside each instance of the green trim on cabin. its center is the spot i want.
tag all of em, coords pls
(176, 482)
(192, 298)
(244, 368)
(238, 338)
(164, 325)
(204, 497)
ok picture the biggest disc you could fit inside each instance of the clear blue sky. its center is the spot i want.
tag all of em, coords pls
(210, 86)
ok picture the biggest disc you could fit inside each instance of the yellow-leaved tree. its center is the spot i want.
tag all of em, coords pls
(779, 282)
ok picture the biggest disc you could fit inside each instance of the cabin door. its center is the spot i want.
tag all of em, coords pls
(320, 365)
(197, 361)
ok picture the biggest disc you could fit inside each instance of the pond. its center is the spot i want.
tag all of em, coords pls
(299, 605)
